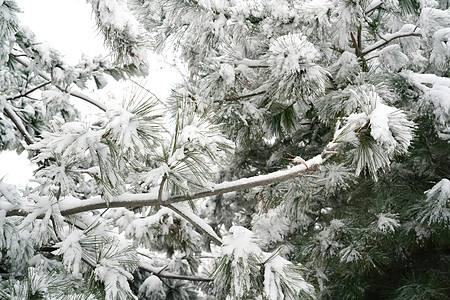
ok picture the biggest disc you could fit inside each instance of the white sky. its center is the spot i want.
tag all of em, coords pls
(67, 25)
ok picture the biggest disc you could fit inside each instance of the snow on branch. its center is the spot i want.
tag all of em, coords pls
(74, 206)
(420, 80)
(373, 6)
(11, 114)
(151, 199)
(30, 91)
(66, 90)
(405, 31)
(196, 221)
(159, 272)
(252, 63)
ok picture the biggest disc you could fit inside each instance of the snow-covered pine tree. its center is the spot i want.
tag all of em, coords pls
(306, 155)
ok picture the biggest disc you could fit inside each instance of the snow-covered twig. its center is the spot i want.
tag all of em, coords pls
(252, 63)
(68, 90)
(11, 114)
(372, 6)
(405, 31)
(196, 222)
(30, 91)
(164, 274)
(188, 217)
(245, 96)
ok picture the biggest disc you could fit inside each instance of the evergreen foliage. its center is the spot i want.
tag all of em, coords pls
(305, 155)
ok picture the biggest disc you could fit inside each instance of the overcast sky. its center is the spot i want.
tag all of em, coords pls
(67, 25)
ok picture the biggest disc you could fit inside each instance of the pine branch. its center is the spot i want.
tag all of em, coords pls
(65, 90)
(164, 274)
(71, 207)
(373, 6)
(243, 96)
(151, 199)
(252, 63)
(387, 38)
(11, 114)
(159, 272)
(195, 224)
(29, 91)
(187, 218)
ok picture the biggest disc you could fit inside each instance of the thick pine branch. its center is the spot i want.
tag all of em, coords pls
(151, 199)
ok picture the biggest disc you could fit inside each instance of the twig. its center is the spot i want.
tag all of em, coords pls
(355, 44)
(243, 96)
(70, 91)
(308, 184)
(11, 114)
(164, 274)
(148, 91)
(387, 39)
(218, 242)
(260, 197)
(371, 9)
(161, 188)
(332, 82)
(30, 91)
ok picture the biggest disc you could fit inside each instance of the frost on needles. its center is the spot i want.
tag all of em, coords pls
(304, 154)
